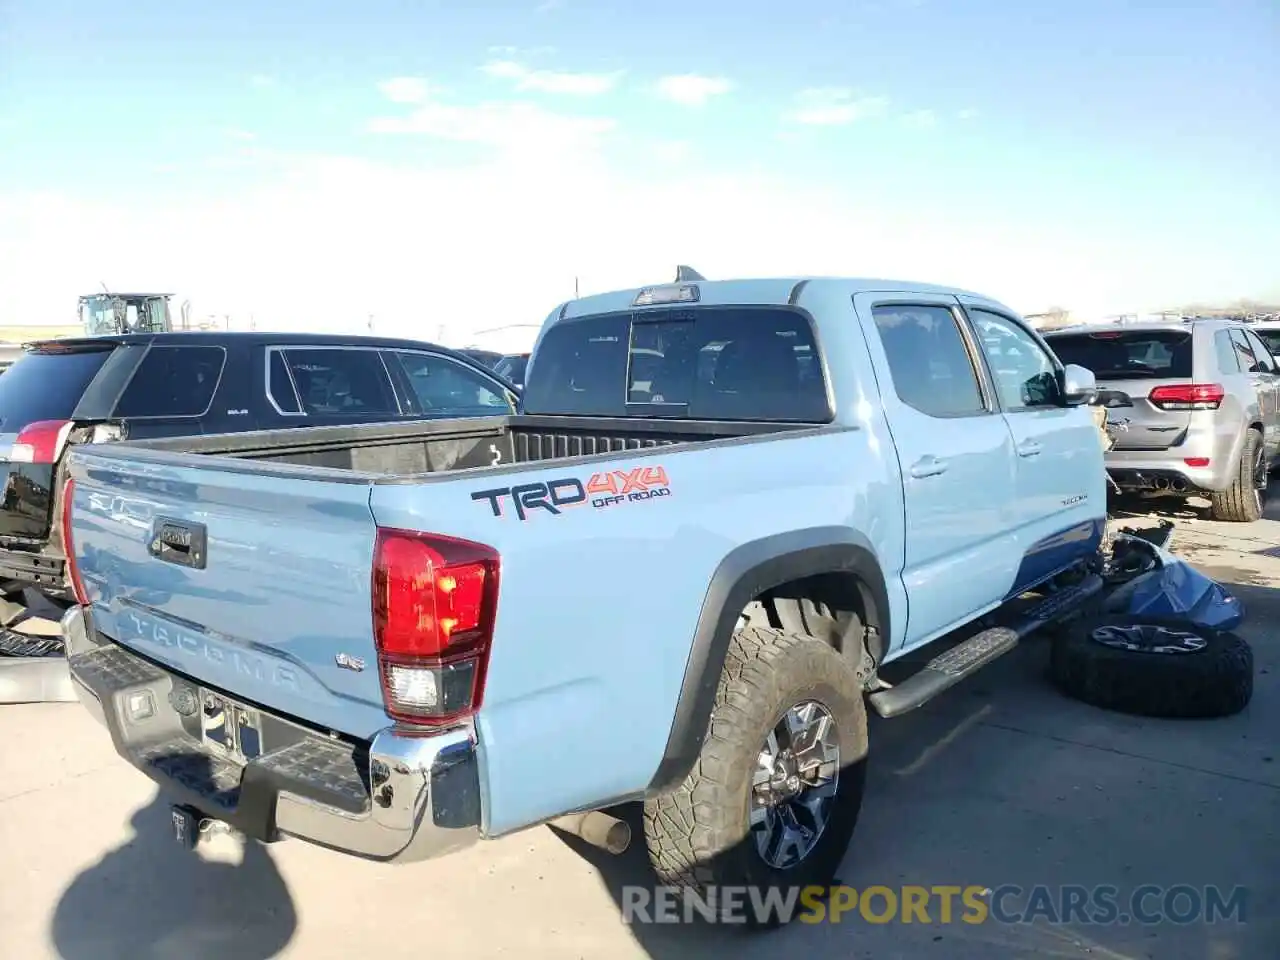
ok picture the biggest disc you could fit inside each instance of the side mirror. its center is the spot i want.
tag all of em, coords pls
(1079, 386)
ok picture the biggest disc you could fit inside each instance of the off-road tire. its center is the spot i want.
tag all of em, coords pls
(1241, 502)
(698, 834)
(1216, 681)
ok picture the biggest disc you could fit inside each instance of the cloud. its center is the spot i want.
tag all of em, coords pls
(692, 89)
(500, 242)
(546, 6)
(407, 89)
(921, 119)
(551, 81)
(671, 152)
(263, 81)
(514, 127)
(835, 106)
(966, 114)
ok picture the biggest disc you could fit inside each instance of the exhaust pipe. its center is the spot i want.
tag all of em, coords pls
(1160, 484)
(1179, 486)
(598, 829)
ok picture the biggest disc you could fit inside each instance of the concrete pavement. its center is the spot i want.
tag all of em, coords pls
(999, 781)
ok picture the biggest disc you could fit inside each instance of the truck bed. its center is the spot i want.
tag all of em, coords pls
(435, 446)
(289, 518)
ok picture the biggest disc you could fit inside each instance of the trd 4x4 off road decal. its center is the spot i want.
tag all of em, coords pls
(609, 489)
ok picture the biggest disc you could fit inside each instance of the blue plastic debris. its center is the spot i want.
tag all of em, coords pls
(1174, 588)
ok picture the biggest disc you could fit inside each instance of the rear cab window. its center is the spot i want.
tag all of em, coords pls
(741, 362)
(47, 383)
(1128, 355)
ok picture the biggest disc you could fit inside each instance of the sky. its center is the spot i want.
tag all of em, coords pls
(436, 170)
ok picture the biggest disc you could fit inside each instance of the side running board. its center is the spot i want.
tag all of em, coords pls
(968, 657)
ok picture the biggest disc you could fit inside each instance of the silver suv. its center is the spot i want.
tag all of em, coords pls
(1194, 404)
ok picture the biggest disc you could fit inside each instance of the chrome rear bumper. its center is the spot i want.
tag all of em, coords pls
(398, 798)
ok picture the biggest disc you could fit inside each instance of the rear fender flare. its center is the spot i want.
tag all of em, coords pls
(743, 575)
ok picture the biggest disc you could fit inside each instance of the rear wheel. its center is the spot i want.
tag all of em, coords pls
(1245, 500)
(774, 797)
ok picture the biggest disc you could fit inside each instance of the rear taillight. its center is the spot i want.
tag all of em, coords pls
(41, 442)
(1187, 396)
(69, 545)
(434, 604)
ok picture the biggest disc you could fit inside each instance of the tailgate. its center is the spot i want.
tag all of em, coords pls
(252, 578)
(1130, 363)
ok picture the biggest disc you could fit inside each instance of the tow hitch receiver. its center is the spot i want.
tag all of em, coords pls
(186, 826)
(191, 827)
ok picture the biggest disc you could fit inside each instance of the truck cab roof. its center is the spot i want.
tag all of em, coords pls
(772, 290)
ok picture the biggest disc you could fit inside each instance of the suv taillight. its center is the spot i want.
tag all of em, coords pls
(41, 442)
(1188, 396)
(435, 600)
(69, 545)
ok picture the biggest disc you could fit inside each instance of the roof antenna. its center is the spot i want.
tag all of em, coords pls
(688, 275)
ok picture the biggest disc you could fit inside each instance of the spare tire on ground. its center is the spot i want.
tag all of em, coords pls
(1153, 666)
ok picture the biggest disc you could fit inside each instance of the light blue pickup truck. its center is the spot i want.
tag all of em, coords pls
(674, 577)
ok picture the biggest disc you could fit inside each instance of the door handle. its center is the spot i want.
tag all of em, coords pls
(175, 541)
(928, 467)
(1029, 448)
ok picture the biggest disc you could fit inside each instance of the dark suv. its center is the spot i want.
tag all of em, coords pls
(194, 384)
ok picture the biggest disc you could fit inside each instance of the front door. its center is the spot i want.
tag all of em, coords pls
(956, 457)
(1265, 381)
(1061, 486)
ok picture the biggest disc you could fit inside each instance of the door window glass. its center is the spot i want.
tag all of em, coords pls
(342, 382)
(1262, 356)
(930, 365)
(1025, 375)
(173, 381)
(446, 388)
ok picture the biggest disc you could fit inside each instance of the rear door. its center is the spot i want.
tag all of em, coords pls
(1129, 365)
(326, 385)
(1060, 504)
(956, 456)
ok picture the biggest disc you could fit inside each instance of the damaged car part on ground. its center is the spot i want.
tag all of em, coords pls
(1160, 642)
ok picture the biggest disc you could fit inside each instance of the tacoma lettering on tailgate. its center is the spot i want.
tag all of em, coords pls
(150, 633)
